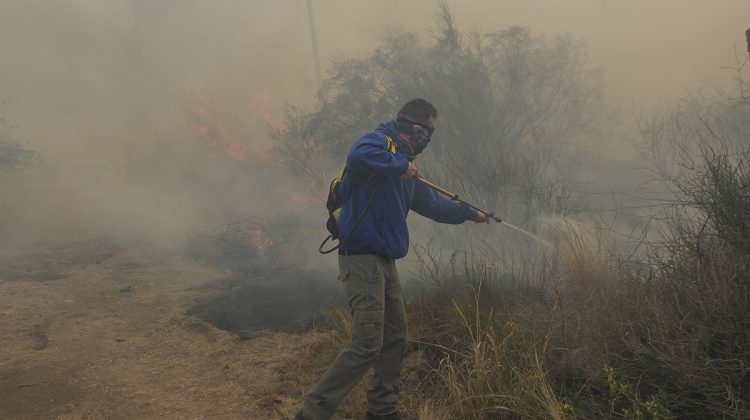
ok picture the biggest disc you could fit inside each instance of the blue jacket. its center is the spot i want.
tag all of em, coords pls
(383, 229)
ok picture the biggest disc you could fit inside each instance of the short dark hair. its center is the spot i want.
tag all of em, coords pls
(418, 109)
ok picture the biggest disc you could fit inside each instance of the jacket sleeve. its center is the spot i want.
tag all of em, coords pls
(371, 155)
(439, 208)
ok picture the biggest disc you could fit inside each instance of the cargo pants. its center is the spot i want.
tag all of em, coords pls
(378, 339)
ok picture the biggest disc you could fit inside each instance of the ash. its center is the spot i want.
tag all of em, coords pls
(273, 281)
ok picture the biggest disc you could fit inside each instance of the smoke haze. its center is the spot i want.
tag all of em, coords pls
(124, 101)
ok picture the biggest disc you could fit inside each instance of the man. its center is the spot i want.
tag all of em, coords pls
(380, 189)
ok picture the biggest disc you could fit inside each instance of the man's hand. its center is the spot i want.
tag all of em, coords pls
(411, 172)
(481, 217)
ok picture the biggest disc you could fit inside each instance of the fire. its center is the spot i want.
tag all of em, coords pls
(262, 97)
(236, 151)
(261, 241)
(275, 123)
(209, 124)
(205, 122)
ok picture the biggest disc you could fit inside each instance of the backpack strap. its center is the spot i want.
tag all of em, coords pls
(336, 213)
(391, 144)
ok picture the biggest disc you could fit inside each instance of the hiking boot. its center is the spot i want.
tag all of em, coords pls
(393, 416)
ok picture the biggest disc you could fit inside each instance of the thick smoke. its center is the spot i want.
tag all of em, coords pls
(150, 117)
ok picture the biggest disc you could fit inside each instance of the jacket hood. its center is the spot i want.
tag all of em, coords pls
(389, 128)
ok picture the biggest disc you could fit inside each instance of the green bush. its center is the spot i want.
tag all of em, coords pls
(12, 154)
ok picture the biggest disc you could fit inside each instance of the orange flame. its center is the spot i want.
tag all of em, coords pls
(236, 151)
(275, 123)
(204, 123)
(262, 97)
(260, 241)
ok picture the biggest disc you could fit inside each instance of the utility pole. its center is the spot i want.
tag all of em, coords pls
(314, 39)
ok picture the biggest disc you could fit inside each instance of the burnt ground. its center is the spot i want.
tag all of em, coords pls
(94, 330)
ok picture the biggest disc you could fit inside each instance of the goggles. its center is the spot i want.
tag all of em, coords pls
(403, 119)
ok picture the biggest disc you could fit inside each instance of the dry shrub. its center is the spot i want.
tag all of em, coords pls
(686, 329)
(691, 337)
(504, 348)
(599, 340)
(588, 266)
(431, 411)
(490, 345)
(669, 341)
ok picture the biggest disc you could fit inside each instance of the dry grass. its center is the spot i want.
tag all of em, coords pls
(109, 338)
(580, 335)
(603, 342)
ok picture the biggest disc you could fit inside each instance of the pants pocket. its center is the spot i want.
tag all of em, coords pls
(367, 334)
(343, 273)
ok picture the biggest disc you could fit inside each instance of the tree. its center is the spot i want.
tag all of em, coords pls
(701, 148)
(675, 139)
(507, 100)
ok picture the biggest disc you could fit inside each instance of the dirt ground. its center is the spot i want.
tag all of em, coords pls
(92, 330)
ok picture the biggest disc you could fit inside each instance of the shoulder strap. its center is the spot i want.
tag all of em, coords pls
(391, 144)
(391, 147)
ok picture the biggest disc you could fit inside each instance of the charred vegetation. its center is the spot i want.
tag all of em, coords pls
(271, 285)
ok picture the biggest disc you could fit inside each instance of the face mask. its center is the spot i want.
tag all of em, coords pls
(414, 135)
(418, 140)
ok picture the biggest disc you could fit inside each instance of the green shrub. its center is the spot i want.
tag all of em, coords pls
(12, 154)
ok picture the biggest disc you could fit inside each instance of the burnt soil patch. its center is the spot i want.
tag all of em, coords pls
(274, 283)
(293, 302)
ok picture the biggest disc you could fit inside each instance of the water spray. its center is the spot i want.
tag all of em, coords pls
(490, 215)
